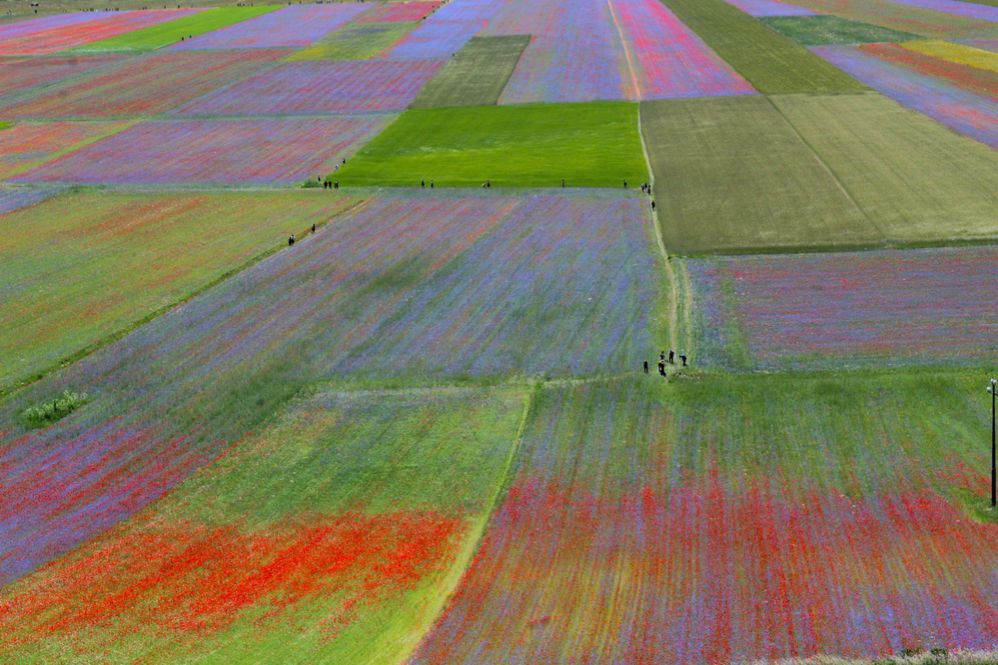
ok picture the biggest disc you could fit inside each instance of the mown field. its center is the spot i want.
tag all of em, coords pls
(432, 429)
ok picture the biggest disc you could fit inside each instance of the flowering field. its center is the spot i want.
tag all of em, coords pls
(436, 39)
(21, 75)
(962, 111)
(761, 8)
(40, 24)
(293, 536)
(214, 151)
(666, 58)
(475, 76)
(956, 8)
(15, 198)
(145, 86)
(398, 274)
(28, 144)
(120, 257)
(840, 310)
(972, 79)
(574, 54)
(730, 522)
(963, 54)
(816, 30)
(320, 87)
(74, 33)
(906, 17)
(399, 12)
(294, 25)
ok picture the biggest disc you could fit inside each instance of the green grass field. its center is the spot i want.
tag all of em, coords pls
(82, 266)
(356, 42)
(817, 30)
(768, 60)
(731, 174)
(533, 145)
(915, 179)
(158, 36)
(477, 75)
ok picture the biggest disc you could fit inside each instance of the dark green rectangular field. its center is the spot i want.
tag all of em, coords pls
(532, 145)
(477, 75)
(819, 30)
(771, 62)
(732, 175)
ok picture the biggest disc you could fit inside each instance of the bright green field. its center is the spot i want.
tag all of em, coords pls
(359, 511)
(158, 36)
(768, 60)
(915, 179)
(731, 174)
(533, 145)
(817, 30)
(356, 42)
(477, 75)
(80, 267)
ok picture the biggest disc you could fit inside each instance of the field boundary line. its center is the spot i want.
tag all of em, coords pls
(828, 169)
(470, 551)
(7, 390)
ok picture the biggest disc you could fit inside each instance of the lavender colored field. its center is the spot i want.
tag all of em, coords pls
(436, 39)
(906, 18)
(575, 54)
(956, 8)
(26, 145)
(295, 25)
(214, 151)
(394, 12)
(321, 87)
(145, 86)
(839, 310)
(67, 36)
(15, 198)
(481, 285)
(666, 58)
(964, 112)
(761, 8)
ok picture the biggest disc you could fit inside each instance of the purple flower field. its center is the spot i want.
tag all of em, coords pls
(295, 25)
(668, 59)
(770, 8)
(12, 199)
(320, 87)
(962, 111)
(487, 285)
(214, 151)
(436, 39)
(574, 56)
(43, 23)
(851, 309)
(955, 8)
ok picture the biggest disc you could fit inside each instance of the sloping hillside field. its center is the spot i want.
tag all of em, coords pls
(499, 332)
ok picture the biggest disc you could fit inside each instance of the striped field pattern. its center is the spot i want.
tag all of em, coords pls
(906, 17)
(956, 8)
(482, 285)
(145, 86)
(707, 524)
(15, 198)
(44, 23)
(667, 58)
(215, 151)
(962, 54)
(77, 33)
(294, 25)
(395, 12)
(962, 111)
(892, 308)
(972, 79)
(442, 34)
(29, 144)
(321, 87)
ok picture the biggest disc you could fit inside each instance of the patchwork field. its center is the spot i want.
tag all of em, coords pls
(120, 258)
(586, 145)
(476, 75)
(731, 522)
(518, 332)
(832, 311)
(388, 494)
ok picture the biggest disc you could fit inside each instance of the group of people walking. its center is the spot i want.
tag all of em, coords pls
(662, 360)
